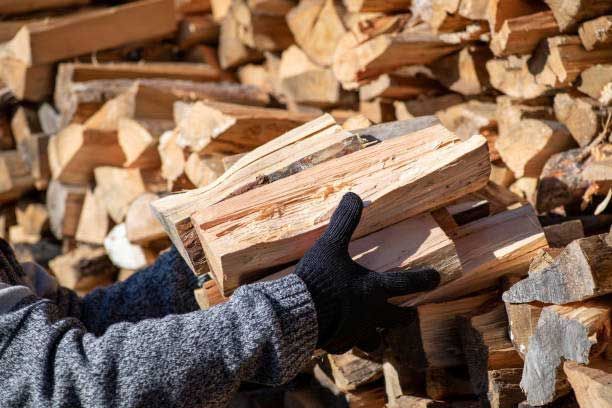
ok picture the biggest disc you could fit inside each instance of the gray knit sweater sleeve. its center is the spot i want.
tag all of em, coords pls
(130, 356)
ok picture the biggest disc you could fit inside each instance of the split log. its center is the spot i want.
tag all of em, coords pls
(302, 81)
(529, 144)
(317, 27)
(470, 154)
(448, 383)
(594, 81)
(378, 111)
(521, 35)
(220, 8)
(33, 218)
(215, 127)
(498, 11)
(173, 160)
(404, 362)
(76, 151)
(32, 145)
(583, 270)
(64, 203)
(140, 224)
(522, 322)
(197, 29)
(597, 33)
(355, 122)
(94, 222)
(581, 116)
(503, 389)
(124, 254)
(575, 332)
(81, 89)
(411, 401)
(11, 7)
(571, 12)
(312, 143)
(469, 118)
(15, 177)
(405, 83)
(232, 51)
(261, 31)
(192, 6)
(32, 83)
(591, 383)
(49, 120)
(43, 43)
(352, 370)
(425, 106)
(489, 248)
(376, 6)
(558, 61)
(440, 331)
(486, 344)
(512, 76)
(138, 142)
(355, 62)
(118, 188)
(501, 174)
(84, 269)
(560, 235)
(561, 181)
(464, 72)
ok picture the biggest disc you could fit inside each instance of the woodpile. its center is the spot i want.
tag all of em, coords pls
(478, 133)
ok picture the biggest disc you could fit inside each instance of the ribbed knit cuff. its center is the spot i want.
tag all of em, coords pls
(297, 316)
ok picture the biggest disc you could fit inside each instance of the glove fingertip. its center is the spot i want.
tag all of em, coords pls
(345, 219)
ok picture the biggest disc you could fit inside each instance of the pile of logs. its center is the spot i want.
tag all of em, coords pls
(478, 133)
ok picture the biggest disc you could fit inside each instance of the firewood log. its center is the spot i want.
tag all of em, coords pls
(192, 6)
(570, 12)
(529, 144)
(261, 31)
(591, 383)
(512, 76)
(355, 122)
(503, 389)
(83, 269)
(465, 71)
(594, 82)
(321, 135)
(469, 118)
(81, 89)
(32, 83)
(579, 273)
(49, 120)
(486, 344)
(352, 370)
(138, 141)
(118, 188)
(406, 83)
(355, 61)
(140, 224)
(64, 203)
(596, 33)
(468, 153)
(305, 82)
(33, 218)
(582, 117)
(202, 171)
(501, 174)
(232, 51)
(197, 29)
(425, 106)
(317, 27)
(488, 250)
(11, 7)
(499, 11)
(215, 127)
(76, 151)
(376, 6)
(440, 331)
(521, 35)
(558, 61)
(448, 383)
(576, 332)
(96, 30)
(220, 8)
(378, 110)
(15, 177)
(94, 222)
(560, 235)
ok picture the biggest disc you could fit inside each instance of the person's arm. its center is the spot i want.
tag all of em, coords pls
(265, 333)
(164, 288)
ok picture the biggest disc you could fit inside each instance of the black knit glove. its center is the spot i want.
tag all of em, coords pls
(350, 300)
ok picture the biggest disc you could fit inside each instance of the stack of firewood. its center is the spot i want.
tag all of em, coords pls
(476, 131)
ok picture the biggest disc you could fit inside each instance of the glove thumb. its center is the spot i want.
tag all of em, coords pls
(344, 221)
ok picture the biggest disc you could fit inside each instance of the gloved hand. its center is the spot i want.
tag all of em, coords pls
(350, 300)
